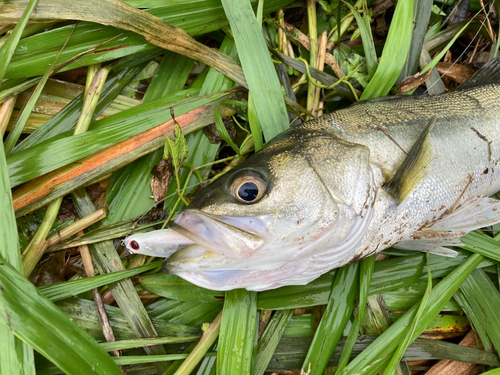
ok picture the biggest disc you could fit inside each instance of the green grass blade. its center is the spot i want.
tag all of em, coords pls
(15, 133)
(363, 22)
(129, 193)
(367, 267)
(421, 17)
(270, 339)
(258, 67)
(255, 127)
(66, 119)
(84, 313)
(403, 299)
(395, 51)
(237, 333)
(484, 299)
(48, 330)
(492, 372)
(442, 38)
(208, 338)
(375, 357)
(175, 311)
(137, 343)
(474, 320)
(174, 287)
(16, 357)
(436, 59)
(131, 360)
(7, 50)
(54, 154)
(36, 52)
(8, 230)
(408, 338)
(334, 320)
(106, 260)
(480, 243)
(201, 151)
(59, 291)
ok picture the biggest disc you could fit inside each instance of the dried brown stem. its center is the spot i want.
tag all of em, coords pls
(448, 367)
(323, 40)
(101, 310)
(304, 40)
(5, 113)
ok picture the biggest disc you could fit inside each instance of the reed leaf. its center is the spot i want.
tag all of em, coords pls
(395, 51)
(49, 331)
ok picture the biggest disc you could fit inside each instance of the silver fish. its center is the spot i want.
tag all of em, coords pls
(413, 173)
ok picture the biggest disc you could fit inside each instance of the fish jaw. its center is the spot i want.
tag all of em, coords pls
(253, 280)
(230, 237)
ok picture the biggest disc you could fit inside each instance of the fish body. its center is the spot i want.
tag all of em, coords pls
(413, 173)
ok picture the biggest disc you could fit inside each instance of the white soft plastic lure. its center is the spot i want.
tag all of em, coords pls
(157, 243)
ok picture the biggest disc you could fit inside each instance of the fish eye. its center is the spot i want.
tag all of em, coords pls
(248, 189)
(134, 245)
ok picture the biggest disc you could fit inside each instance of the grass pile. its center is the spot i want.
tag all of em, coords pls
(114, 113)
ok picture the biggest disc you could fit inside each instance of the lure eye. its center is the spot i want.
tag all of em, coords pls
(248, 189)
(134, 245)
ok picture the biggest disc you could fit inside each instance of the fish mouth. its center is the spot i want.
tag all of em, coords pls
(221, 244)
(232, 237)
(229, 279)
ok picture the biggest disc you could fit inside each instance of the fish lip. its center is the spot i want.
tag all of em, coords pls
(216, 235)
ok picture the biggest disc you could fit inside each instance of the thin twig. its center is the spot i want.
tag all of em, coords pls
(107, 330)
(304, 40)
(323, 39)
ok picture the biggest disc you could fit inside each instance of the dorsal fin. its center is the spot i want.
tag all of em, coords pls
(488, 74)
(411, 170)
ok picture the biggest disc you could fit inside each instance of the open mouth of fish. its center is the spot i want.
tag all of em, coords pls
(223, 249)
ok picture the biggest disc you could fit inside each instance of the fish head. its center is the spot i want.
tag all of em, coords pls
(265, 222)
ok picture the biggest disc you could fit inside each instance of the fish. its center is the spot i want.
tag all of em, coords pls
(413, 173)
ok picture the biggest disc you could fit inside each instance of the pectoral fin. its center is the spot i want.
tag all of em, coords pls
(413, 168)
(432, 246)
(473, 214)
